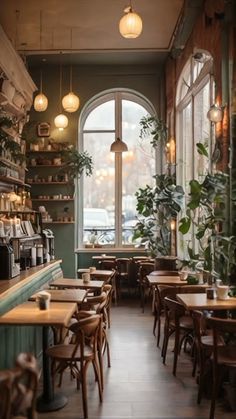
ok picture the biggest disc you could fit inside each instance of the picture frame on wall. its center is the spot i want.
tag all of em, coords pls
(43, 129)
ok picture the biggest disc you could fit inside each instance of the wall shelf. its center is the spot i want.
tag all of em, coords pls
(48, 183)
(58, 222)
(45, 165)
(52, 200)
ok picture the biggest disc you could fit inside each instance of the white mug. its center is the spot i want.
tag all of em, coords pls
(222, 292)
(86, 277)
(43, 300)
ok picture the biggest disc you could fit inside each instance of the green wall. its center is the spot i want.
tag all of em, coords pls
(88, 81)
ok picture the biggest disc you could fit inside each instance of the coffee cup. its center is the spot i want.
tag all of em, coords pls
(183, 275)
(86, 277)
(222, 292)
(92, 269)
(43, 300)
(210, 292)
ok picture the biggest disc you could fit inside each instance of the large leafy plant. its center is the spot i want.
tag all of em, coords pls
(207, 212)
(157, 206)
(76, 163)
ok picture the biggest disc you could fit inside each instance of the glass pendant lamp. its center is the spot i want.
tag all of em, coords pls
(40, 101)
(70, 102)
(130, 25)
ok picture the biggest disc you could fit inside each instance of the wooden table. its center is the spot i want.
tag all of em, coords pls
(66, 296)
(59, 314)
(201, 302)
(77, 283)
(100, 274)
(165, 280)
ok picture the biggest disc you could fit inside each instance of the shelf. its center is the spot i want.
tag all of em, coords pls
(18, 212)
(48, 183)
(9, 163)
(43, 151)
(58, 222)
(12, 180)
(26, 238)
(52, 200)
(44, 165)
(9, 106)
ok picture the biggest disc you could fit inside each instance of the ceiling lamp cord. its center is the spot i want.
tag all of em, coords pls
(61, 120)
(70, 102)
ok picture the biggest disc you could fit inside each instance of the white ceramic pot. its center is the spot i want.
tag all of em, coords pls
(222, 292)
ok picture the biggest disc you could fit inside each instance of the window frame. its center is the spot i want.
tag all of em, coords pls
(117, 95)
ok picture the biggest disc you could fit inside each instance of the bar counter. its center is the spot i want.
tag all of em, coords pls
(15, 291)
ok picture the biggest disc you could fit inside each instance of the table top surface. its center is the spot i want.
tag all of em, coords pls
(165, 280)
(67, 295)
(201, 302)
(28, 313)
(77, 283)
(97, 272)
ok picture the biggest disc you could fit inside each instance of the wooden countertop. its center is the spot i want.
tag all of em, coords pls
(201, 302)
(7, 286)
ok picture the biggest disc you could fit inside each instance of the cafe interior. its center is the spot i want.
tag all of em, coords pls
(117, 209)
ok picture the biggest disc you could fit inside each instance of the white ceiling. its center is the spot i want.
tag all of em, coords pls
(89, 29)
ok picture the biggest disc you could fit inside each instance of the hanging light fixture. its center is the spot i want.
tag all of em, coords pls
(40, 101)
(118, 146)
(130, 25)
(215, 113)
(61, 120)
(70, 102)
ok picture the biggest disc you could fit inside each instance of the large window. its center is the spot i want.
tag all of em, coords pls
(107, 212)
(194, 96)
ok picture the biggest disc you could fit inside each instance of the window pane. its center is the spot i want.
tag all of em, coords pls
(99, 190)
(201, 128)
(138, 164)
(102, 117)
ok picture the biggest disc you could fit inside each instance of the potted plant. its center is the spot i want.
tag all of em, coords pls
(75, 163)
(157, 205)
(206, 211)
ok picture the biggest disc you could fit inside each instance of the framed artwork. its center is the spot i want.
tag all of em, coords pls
(43, 129)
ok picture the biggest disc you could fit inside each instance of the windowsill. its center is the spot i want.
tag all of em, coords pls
(108, 250)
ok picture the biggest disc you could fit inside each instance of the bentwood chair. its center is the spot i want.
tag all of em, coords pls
(203, 347)
(78, 354)
(145, 268)
(123, 271)
(223, 356)
(18, 387)
(177, 322)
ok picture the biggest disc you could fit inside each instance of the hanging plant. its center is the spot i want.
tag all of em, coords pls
(154, 128)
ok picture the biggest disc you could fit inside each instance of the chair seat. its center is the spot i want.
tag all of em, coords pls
(185, 322)
(65, 352)
(227, 355)
(207, 340)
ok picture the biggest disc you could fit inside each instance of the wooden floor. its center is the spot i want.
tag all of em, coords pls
(138, 385)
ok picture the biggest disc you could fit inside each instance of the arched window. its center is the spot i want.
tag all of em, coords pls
(193, 100)
(107, 203)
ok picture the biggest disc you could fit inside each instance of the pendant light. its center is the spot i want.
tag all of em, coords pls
(215, 113)
(40, 101)
(130, 25)
(70, 102)
(118, 146)
(61, 120)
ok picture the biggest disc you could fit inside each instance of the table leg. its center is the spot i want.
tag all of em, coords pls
(48, 401)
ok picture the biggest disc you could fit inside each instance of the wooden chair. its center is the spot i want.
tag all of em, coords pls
(78, 355)
(123, 265)
(203, 346)
(177, 322)
(108, 289)
(145, 268)
(223, 356)
(18, 388)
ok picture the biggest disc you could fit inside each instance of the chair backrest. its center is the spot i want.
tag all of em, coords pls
(165, 273)
(123, 265)
(165, 263)
(18, 387)
(87, 331)
(220, 327)
(192, 289)
(107, 264)
(145, 268)
(199, 326)
(174, 307)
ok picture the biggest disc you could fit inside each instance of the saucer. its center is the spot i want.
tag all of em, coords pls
(223, 298)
